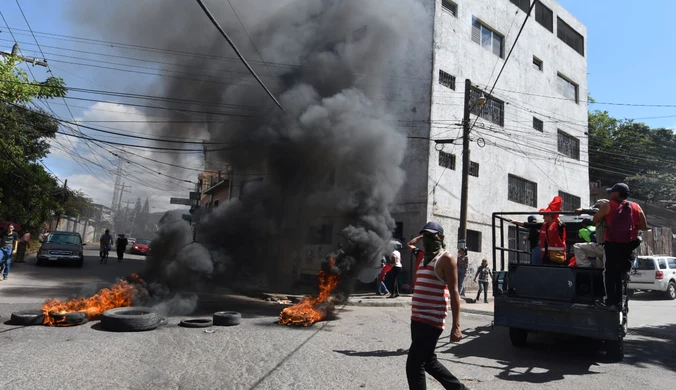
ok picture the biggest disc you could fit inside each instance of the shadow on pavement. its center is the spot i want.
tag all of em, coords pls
(378, 353)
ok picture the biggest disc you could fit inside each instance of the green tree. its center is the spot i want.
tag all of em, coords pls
(28, 194)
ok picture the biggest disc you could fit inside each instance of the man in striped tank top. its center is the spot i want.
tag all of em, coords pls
(436, 280)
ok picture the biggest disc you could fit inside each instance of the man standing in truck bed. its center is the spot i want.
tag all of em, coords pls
(623, 221)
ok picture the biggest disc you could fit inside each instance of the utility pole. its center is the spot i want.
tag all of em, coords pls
(464, 189)
(15, 53)
(124, 218)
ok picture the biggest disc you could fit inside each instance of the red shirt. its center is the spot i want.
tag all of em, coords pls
(609, 218)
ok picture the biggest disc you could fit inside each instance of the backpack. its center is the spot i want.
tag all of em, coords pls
(592, 234)
(622, 226)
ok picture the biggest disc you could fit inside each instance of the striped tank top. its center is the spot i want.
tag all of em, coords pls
(430, 295)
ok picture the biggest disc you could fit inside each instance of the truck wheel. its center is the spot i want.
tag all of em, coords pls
(630, 293)
(615, 349)
(671, 290)
(518, 337)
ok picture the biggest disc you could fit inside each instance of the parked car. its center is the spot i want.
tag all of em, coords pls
(141, 246)
(61, 247)
(654, 273)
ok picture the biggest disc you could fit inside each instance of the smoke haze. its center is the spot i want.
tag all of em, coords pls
(337, 151)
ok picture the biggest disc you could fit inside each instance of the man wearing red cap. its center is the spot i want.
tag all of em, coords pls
(436, 280)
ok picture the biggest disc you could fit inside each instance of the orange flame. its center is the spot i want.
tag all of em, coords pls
(118, 295)
(311, 309)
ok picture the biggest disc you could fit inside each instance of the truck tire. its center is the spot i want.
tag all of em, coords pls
(130, 319)
(27, 317)
(518, 337)
(227, 318)
(671, 290)
(615, 350)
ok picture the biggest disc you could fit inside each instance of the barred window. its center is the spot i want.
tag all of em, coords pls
(474, 169)
(522, 191)
(570, 202)
(473, 241)
(450, 7)
(447, 160)
(488, 38)
(571, 37)
(538, 124)
(493, 111)
(567, 88)
(446, 80)
(568, 145)
(544, 16)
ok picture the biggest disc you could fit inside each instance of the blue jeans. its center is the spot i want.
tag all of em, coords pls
(461, 280)
(382, 288)
(5, 260)
(536, 257)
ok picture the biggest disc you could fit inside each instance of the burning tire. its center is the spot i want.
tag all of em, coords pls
(69, 319)
(196, 323)
(130, 319)
(227, 318)
(27, 317)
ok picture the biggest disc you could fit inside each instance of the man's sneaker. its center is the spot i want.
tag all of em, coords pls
(486, 301)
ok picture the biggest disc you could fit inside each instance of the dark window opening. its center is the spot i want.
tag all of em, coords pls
(570, 201)
(567, 88)
(493, 111)
(522, 191)
(568, 145)
(474, 169)
(544, 16)
(446, 80)
(450, 7)
(571, 37)
(398, 232)
(473, 241)
(488, 38)
(524, 5)
(538, 124)
(447, 160)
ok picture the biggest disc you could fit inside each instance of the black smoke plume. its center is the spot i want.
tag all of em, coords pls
(342, 70)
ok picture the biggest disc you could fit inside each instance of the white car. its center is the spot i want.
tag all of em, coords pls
(654, 273)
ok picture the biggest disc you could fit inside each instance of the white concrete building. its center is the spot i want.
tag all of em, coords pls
(529, 141)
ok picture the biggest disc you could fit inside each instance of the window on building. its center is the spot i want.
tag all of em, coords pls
(538, 124)
(474, 169)
(320, 235)
(524, 5)
(544, 16)
(571, 37)
(570, 202)
(398, 232)
(522, 191)
(488, 38)
(446, 80)
(473, 241)
(568, 145)
(567, 88)
(492, 111)
(447, 160)
(450, 7)
(537, 63)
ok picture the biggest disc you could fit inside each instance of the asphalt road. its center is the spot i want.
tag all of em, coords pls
(363, 348)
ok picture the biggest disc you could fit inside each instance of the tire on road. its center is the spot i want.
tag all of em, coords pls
(69, 319)
(671, 290)
(130, 319)
(27, 317)
(196, 323)
(227, 318)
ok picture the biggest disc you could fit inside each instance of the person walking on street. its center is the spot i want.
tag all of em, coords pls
(485, 276)
(463, 266)
(9, 242)
(24, 243)
(623, 221)
(121, 246)
(436, 280)
(395, 262)
(533, 238)
(382, 287)
(106, 242)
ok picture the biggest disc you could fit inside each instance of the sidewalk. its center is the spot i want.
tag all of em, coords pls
(373, 300)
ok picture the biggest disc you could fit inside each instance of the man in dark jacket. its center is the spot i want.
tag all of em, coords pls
(121, 245)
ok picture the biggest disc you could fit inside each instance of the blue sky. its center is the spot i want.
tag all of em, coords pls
(629, 48)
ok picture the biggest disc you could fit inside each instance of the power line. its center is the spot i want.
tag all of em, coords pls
(232, 44)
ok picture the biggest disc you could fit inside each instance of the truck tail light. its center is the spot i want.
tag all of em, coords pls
(659, 275)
